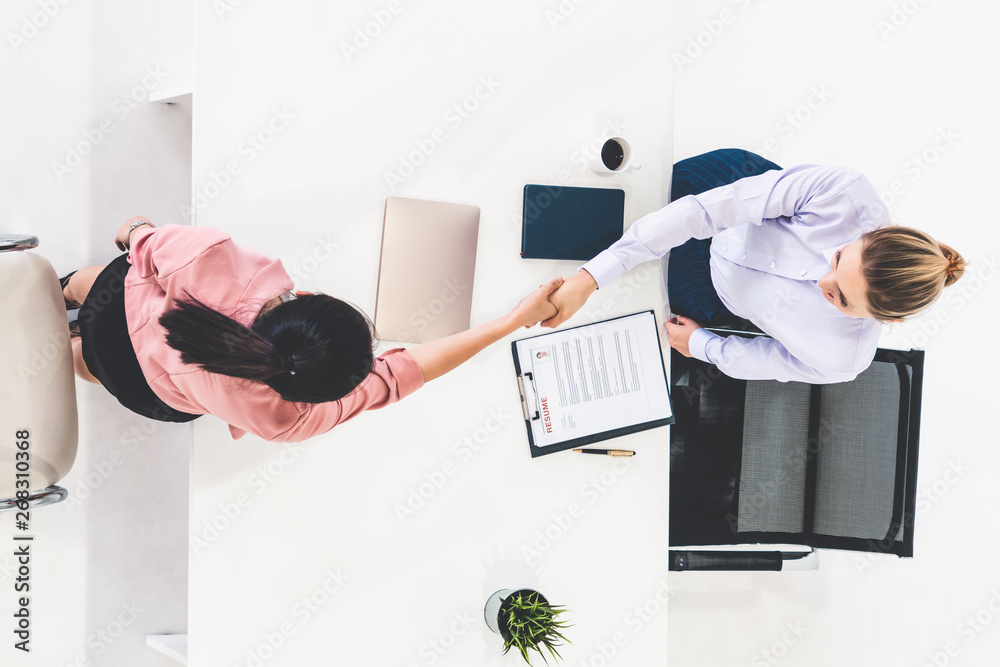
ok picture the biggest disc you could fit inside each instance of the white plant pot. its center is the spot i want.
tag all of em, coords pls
(492, 609)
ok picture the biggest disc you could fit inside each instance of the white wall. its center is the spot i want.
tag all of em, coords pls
(111, 567)
(922, 81)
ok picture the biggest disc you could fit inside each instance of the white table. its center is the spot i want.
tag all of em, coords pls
(379, 542)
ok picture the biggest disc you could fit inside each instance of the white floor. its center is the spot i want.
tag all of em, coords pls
(83, 153)
(875, 85)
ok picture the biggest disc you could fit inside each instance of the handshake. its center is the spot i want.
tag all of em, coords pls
(554, 302)
(558, 300)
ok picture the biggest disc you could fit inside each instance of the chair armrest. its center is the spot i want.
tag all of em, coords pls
(47, 496)
(684, 560)
(17, 242)
(723, 331)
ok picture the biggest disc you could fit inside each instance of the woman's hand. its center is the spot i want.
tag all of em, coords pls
(536, 307)
(570, 297)
(679, 329)
(121, 238)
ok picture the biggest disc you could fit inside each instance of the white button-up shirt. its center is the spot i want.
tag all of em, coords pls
(774, 235)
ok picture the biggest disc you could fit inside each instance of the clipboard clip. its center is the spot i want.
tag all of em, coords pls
(529, 397)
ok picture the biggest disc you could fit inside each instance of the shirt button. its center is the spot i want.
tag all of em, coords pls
(802, 272)
(772, 265)
(725, 248)
(743, 257)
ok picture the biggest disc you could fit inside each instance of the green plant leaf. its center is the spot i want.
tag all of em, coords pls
(532, 624)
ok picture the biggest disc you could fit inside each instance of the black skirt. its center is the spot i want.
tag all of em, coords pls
(108, 351)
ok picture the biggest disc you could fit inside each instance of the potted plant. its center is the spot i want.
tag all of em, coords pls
(526, 620)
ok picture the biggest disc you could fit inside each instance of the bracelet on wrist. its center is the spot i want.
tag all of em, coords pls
(134, 226)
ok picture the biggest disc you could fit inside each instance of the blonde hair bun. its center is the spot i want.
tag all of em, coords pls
(956, 264)
(905, 270)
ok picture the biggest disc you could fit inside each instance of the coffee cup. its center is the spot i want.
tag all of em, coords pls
(615, 156)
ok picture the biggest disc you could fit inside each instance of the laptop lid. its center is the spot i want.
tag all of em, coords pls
(426, 269)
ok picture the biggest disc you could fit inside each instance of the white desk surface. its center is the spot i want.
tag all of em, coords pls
(310, 561)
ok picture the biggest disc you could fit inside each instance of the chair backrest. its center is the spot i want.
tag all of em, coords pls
(823, 465)
(37, 384)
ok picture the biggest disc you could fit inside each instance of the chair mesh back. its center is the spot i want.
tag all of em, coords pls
(848, 431)
(773, 472)
(856, 462)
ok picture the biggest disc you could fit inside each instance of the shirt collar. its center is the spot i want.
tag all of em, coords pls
(830, 252)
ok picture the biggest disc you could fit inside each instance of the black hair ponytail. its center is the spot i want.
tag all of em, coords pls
(312, 349)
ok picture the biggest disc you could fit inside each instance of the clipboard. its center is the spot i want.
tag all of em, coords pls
(599, 373)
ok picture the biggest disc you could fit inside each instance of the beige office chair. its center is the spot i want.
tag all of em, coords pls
(37, 386)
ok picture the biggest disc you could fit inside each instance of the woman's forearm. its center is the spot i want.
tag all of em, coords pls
(440, 356)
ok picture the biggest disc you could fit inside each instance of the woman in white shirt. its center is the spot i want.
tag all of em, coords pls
(807, 254)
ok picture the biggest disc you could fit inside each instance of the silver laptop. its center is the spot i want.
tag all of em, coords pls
(426, 271)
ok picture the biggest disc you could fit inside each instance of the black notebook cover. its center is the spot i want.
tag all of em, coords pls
(570, 223)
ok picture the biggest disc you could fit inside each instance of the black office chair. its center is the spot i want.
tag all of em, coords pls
(824, 466)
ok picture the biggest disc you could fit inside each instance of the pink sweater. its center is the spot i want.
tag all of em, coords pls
(236, 282)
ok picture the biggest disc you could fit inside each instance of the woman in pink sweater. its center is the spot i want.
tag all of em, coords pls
(188, 323)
